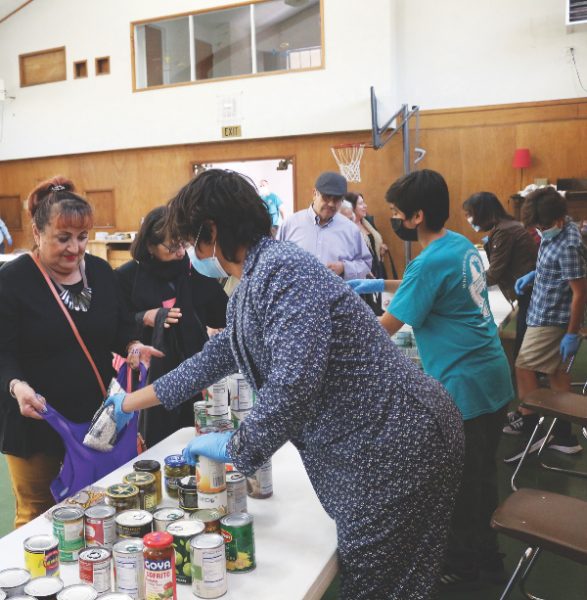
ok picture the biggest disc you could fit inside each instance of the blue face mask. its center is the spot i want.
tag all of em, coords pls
(209, 267)
(475, 227)
(549, 234)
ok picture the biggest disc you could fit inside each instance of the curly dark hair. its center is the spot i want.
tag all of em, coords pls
(543, 207)
(225, 198)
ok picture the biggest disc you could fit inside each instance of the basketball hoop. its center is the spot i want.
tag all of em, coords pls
(348, 158)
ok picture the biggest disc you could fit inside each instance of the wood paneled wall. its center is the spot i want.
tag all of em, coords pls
(473, 148)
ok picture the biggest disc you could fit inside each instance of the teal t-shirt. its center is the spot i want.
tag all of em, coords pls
(443, 296)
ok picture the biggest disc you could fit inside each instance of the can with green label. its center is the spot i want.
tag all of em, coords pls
(68, 528)
(183, 531)
(237, 531)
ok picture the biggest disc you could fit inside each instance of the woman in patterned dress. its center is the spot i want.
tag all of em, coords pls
(381, 442)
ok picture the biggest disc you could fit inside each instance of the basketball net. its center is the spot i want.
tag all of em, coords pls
(348, 158)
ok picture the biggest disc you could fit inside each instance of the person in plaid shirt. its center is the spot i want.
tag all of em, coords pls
(555, 314)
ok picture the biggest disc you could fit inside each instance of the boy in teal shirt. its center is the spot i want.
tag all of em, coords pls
(443, 296)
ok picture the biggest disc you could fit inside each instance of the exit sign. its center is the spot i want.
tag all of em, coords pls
(231, 131)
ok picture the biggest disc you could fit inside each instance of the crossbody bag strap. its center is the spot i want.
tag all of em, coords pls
(78, 337)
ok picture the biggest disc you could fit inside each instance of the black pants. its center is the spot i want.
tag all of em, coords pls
(472, 543)
(523, 304)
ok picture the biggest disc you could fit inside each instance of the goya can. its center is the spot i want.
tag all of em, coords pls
(153, 467)
(134, 523)
(210, 475)
(95, 568)
(164, 516)
(242, 395)
(41, 555)
(216, 397)
(100, 526)
(44, 588)
(129, 568)
(13, 581)
(236, 492)
(208, 560)
(122, 496)
(187, 493)
(77, 591)
(159, 556)
(68, 528)
(175, 469)
(237, 531)
(147, 485)
(183, 531)
(218, 501)
(260, 484)
(210, 517)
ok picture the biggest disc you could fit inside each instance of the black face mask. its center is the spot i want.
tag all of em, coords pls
(403, 233)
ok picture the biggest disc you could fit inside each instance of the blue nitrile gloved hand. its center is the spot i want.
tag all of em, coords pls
(569, 345)
(523, 282)
(367, 286)
(210, 445)
(121, 417)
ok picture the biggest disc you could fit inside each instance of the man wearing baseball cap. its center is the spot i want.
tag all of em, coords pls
(322, 231)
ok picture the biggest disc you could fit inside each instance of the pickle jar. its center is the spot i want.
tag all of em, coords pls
(175, 469)
(188, 493)
(153, 467)
(147, 488)
(122, 496)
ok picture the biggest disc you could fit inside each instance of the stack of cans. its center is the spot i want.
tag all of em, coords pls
(242, 398)
(212, 414)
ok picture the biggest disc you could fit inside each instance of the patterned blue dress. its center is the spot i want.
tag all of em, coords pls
(381, 442)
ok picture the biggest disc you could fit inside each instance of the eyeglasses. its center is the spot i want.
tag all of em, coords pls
(175, 248)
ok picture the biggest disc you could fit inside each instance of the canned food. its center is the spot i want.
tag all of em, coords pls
(153, 467)
(94, 568)
(100, 529)
(44, 588)
(210, 517)
(200, 415)
(134, 523)
(183, 531)
(187, 493)
(217, 425)
(3, 595)
(164, 516)
(175, 469)
(122, 496)
(242, 395)
(238, 416)
(68, 527)
(208, 560)
(210, 475)
(77, 591)
(147, 485)
(216, 398)
(260, 484)
(237, 531)
(41, 555)
(13, 581)
(129, 569)
(218, 501)
(159, 566)
(116, 596)
(236, 492)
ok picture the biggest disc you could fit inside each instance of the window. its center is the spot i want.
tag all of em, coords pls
(260, 37)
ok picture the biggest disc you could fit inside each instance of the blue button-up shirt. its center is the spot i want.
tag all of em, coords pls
(336, 240)
(560, 260)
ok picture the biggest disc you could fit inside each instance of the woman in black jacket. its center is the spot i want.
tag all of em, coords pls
(40, 358)
(173, 306)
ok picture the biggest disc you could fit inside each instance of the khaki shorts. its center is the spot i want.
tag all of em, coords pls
(540, 349)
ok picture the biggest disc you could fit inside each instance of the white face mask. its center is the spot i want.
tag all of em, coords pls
(475, 227)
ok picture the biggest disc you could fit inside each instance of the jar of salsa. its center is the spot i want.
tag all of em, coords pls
(175, 468)
(159, 557)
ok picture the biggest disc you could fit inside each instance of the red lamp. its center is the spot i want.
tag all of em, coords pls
(522, 160)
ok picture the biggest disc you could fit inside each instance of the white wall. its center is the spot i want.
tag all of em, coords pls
(102, 113)
(469, 53)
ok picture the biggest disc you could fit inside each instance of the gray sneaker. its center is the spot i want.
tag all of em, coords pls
(515, 424)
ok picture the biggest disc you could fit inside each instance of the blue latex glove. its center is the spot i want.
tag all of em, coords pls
(367, 286)
(210, 445)
(569, 345)
(523, 282)
(121, 417)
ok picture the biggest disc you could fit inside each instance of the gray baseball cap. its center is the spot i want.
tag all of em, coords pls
(330, 183)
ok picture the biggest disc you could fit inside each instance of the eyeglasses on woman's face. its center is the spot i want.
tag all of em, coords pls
(175, 247)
